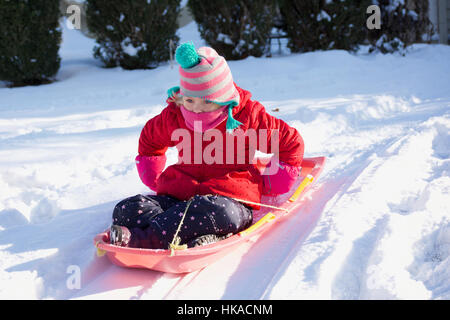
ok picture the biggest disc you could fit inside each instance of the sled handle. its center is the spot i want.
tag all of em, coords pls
(306, 182)
(267, 218)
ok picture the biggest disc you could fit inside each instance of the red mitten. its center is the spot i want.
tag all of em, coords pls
(281, 181)
(150, 168)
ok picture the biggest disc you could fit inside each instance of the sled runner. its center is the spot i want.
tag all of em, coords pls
(192, 259)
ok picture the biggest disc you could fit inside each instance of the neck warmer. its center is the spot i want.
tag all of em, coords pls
(208, 120)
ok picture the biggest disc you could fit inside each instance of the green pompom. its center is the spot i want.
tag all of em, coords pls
(186, 55)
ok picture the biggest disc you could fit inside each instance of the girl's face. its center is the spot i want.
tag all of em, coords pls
(198, 105)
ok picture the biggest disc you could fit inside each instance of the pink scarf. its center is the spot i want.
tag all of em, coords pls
(208, 120)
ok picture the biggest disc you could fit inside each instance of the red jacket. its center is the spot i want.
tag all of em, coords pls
(236, 180)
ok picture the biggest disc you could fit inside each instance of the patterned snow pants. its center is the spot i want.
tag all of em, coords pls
(154, 219)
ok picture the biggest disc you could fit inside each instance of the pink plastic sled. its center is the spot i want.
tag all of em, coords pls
(192, 259)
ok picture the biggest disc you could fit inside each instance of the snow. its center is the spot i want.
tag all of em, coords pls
(395, 4)
(376, 225)
(224, 38)
(323, 15)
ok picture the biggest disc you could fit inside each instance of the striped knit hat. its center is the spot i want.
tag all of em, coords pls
(205, 74)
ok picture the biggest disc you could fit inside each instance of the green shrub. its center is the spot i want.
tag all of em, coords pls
(30, 36)
(133, 34)
(323, 25)
(235, 28)
(403, 22)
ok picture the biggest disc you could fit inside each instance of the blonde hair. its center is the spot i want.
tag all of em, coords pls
(177, 99)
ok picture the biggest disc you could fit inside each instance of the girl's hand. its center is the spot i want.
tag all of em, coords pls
(150, 168)
(280, 182)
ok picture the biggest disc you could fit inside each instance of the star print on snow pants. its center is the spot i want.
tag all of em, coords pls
(154, 219)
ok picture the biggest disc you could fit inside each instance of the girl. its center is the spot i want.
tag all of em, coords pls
(211, 192)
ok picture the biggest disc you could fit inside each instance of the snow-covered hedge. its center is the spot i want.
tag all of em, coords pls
(133, 34)
(403, 22)
(324, 24)
(235, 28)
(29, 41)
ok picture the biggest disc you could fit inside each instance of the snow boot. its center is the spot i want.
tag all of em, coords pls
(207, 239)
(119, 236)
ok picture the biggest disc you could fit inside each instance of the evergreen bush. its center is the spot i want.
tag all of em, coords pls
(235, 28)
(324, 24)
(30, 37)
(403, 22)
(133, 34)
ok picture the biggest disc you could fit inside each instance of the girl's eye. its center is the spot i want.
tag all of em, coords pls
(189, 100)
(208, 102)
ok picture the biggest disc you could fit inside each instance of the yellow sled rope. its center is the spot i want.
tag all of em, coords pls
(175, 244)
(270, 216)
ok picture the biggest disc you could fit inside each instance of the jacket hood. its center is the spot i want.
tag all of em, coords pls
(244, 98)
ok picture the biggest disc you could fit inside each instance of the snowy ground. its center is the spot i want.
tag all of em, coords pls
(376, 225)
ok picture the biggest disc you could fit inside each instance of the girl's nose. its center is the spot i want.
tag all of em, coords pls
(197, 108)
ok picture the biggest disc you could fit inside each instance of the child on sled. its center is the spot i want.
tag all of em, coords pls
(212, 191)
